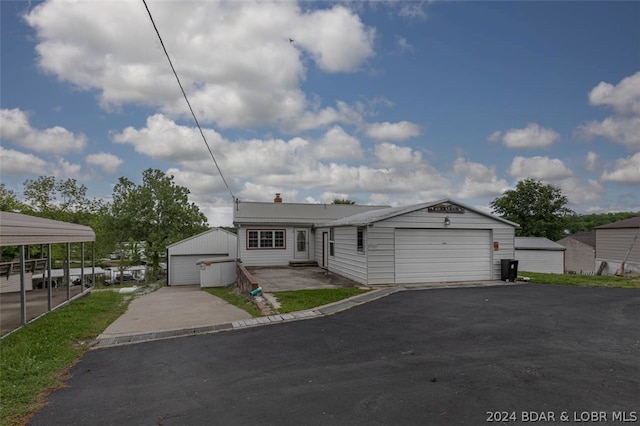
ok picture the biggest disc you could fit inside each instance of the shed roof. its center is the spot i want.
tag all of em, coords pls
(193, 237)
(537, 243)
(585, 237)
(20, 229)
(373, 216)
(633, 222)
(294, 213)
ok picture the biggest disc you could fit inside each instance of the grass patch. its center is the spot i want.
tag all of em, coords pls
(291, 301)
(234, 297)
(33, 360)
(583, 280)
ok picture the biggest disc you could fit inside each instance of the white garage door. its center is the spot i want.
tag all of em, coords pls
(432, 255)
(183, 270)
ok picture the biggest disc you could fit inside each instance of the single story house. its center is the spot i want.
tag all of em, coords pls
(538, 254)
(580, 253)
(183, 256)
(618, 243)
(444, 240)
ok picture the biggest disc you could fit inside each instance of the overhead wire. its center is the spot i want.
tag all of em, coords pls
(187, 99)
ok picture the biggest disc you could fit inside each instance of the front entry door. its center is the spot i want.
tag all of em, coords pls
(302, 244)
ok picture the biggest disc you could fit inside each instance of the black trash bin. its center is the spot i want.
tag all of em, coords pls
(509, 270)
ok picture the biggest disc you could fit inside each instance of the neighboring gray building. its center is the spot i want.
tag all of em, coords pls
(614, 242)
(580, 253)
(182, 257)
(537, 254)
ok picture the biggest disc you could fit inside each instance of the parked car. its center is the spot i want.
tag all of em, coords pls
(125, 279)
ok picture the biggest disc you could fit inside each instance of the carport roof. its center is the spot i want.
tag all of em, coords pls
(366, 218)
(19, 229)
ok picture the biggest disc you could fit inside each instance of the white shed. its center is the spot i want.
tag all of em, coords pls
(537, 254)
(182, 257)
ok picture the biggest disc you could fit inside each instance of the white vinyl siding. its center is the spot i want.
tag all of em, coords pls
(432, 255)
(266, 257)
(347, 261)
(543, 261)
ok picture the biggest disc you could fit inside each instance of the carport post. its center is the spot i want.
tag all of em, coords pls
(49, 295)
(82, 267)
(67, 271)
(23, 289)
(93, 263)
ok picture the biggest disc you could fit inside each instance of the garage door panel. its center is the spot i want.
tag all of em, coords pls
(431, 255)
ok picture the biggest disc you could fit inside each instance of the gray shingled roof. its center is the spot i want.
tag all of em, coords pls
(256, 213)
(537, 243)
(585, 237)
(19, 229)
(373, 216)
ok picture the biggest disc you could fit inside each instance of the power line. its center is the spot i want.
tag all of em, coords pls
(187, 99)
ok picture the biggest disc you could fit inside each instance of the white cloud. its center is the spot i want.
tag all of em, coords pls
(532, 136)
(413, 9)
(234, 58)
(64, 169)
(479, 180)
(163, 139)
(54, 140)
(393, 131)
(621, 130)
(393, 155)
(537, 167)
(16, 163)
(625, 171)
(578, 191)
(592, 161)
(109, 163)
(338, 144)
(624, 97)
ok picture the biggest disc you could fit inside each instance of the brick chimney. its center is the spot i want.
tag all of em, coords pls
(278, 199)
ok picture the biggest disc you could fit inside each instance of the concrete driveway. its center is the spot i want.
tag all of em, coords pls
(441, 356)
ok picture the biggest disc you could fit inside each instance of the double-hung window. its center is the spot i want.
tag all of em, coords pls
(265, 239)
(360, 239)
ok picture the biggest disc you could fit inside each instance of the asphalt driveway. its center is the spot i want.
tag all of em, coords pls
(440, 356)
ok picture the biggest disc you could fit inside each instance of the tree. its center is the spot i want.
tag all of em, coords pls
(9, 201)
(158, 213)
(540, 209)
(343, 201)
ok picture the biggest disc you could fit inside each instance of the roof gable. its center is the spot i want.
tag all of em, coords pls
(202, 234)
(367, 218)
(585, 237)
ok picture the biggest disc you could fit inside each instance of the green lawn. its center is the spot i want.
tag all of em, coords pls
(231, 295)
(34, 359)
(291, 301)
(583, 280)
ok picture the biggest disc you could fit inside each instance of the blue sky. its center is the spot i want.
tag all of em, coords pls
(380, 102)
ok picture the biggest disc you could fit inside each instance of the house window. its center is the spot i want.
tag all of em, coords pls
(360, 239)
(265, 239)
(331, 242)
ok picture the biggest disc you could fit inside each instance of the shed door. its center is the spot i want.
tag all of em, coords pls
(432, 255)
(183, 270)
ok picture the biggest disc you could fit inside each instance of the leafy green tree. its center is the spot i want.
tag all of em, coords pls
(540, 209)
(343, 201)
(9, 201)
(157, 212)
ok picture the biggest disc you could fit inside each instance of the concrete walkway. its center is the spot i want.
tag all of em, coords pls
(168, 312)
(186, 310)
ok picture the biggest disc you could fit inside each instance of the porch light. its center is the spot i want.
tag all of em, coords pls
(447, 221)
